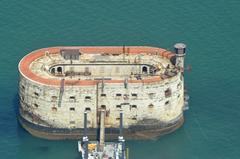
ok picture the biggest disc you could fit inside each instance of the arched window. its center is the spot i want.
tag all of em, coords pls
(133, 106)
(168, 93)
(167, 103)
(59, 69)
(134, 118)
(72, 99)
(54, 98)
(150, 105)
(87, 109)
(87, 98)
(53, 71)
(144, 70)
(36, 105)
(54, 109)
(72, 109)
(103, 106)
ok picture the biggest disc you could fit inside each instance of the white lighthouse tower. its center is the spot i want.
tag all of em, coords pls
(180, 49)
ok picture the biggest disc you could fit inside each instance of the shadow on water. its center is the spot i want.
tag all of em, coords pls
(16, 103)
(20, 131)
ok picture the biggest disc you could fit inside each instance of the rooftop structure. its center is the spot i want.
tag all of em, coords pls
(49, 66)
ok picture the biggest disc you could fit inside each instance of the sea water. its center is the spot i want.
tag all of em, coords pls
(209, 28)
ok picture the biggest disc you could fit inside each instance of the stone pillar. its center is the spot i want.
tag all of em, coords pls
(102, 129)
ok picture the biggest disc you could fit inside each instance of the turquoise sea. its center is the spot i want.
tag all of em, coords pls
(210, 28)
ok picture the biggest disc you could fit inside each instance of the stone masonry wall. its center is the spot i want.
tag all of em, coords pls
(162, 101)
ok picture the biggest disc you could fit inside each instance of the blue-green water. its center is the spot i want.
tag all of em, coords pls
(211, 29)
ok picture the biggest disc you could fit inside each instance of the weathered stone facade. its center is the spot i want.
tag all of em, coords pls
(56, 92)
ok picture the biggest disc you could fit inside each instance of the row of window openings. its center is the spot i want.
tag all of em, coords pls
(73, 122)
(71, 108)
(168, 93)
(118, 94)
(134, 118)
(73, 98)
(117, 106)
(88, 97)
(131, 106)
(104, 95)
(135, 106)
(104, 107)
(117, 69)
(86, 109)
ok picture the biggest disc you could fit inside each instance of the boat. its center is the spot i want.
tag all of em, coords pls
(101, 149)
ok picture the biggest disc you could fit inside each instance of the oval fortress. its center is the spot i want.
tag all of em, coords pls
(58, 84)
